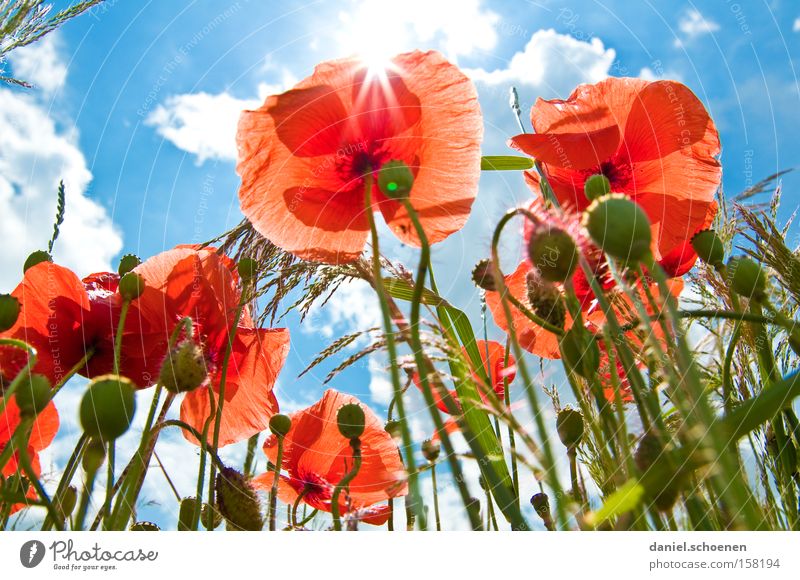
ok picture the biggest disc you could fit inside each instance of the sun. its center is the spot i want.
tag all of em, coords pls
(374, 34)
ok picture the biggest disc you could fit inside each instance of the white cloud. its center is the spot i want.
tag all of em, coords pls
(796, 25)
(693, 24)
(40, 64)
(552, 63)
(34, 156)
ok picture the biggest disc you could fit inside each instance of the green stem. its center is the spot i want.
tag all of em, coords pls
(355, 445)
(273, 492)
(123, 314)
(69, 472)
(435, 498)
(252, 443)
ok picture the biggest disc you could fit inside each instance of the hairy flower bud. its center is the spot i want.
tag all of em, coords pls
(394, 429)
(596, 186)
(483, 277)
(247, 268)
(430, 450)
(131, 286)
(127, 263)
(94, 454)
(395, 180)
(280, 425)
(237, 501)
(553, 252)
(33, 395)
(184, 369)
(351, 420)
(747, 278)
(9, 311)
(107, 407)
(709, 247)
(36, 257)
(619, 226)
(569, 424)
(541, 505)
(650, 454)
(545, 300)
(65, 501)
(144, 527)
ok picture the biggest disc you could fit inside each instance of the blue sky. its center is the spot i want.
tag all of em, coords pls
(136, 105)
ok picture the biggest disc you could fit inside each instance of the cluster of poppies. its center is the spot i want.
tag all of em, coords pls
(305, 159)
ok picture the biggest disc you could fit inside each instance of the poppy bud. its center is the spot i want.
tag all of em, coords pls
(93, 455)
(210, 517)
(482, 275)
(580, 352)
(554, 253)
(430, 450)
(596, 186)
(395, 180)
(747, 278)
(9, 311)
(474, 506)
(247, 268)
(65, 502)
(131, 286)
(238, 502)
(184, 369)
(127, 263)
(144, 527)
(709, 247)
(351, 420)
(33, 395)
(541, 505)
(280, 425)
(569, 424)
(36, 257)
(186, 514)
(545, 300)
(107, 407)
(619, 226)
(662, 491)
(394, 429)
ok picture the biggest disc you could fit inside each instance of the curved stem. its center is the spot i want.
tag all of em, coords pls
(355, 444)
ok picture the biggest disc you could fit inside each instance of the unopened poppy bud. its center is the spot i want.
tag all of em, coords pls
(9, 311)
(596, 186)
(395, 180)
(580, 352)
(36, 257)
(210, 517)
(145, 527)
(94, 454)
(184, 369)
(33, 395)
(351, 420)
(648, 451)
(662, 492)
(238, 502)
(395, 429)
(541, 505)
(747, 277)
(619, 226)
(545, 300)
(483, 276)
(280, 425)
(247, 268)
(569, 424)
(186, 514)
(127, 263)
(65, 502)
(131, 286)
(554, 253)
(107, 407)
(708, 247)
(431, 450)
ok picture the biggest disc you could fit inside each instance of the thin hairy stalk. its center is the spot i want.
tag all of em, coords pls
(355, 445)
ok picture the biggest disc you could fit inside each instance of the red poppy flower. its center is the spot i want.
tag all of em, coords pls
(304, 155)
(202, 284)
(654, 141)
(316, 457)
(493, 356)
(42, 434)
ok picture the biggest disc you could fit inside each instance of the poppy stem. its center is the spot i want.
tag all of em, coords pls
(273, 492)
(252, 443)
(69, 472)
(435, 498)
(123, 314)
(355, 445)
(300, 496)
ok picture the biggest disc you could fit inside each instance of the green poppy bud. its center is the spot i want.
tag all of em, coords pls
(395, 180)
(569, 424)
(709, 247)
(580, 352)
(107, 407)
(483, 277)
(541, 505)
(186, 513)
(94, 454)
(9, 311)
(394, 429)
(546, 300)
(238, 502)
(145, 527)
(554, 253)
(596, 186)
(127, 263)
(33, 395)
(184, 369)
(619, 226)
(280, 425)
(131, 286)
(247, 268)
(65, 502)
(431, 450)
(747, 278)
(210, 517)
(661, 491)
(351, 420)
(36, 257)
